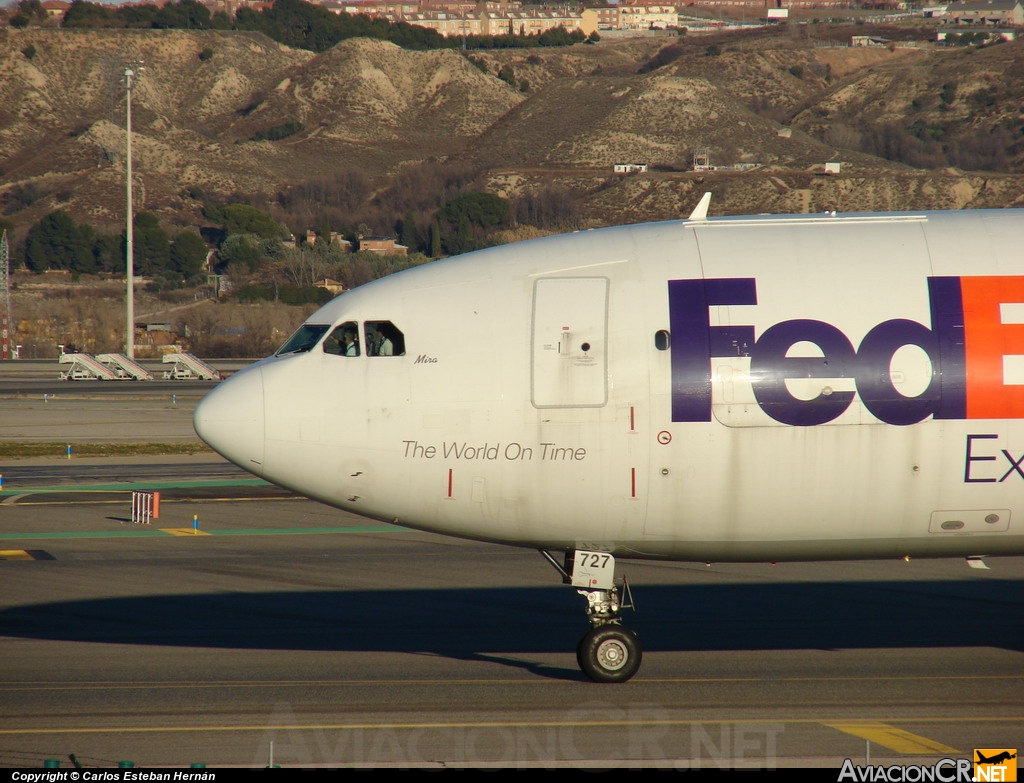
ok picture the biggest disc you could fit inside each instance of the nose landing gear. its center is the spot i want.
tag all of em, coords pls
(608, 652)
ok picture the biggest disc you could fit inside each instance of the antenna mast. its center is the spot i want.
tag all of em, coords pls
(130, 72)
(5, 292)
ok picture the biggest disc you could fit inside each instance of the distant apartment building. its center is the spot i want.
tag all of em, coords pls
(758, 9)
(647, 17)
(985, 13)
(428, 8)
(446, 23)
(606, 16)
(511, 22)
(462, 17)
(627, 16)
(456, 18)
(370, 9)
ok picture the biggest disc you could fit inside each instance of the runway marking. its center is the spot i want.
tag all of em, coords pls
(184, 531)
(561, 723)
(892, 738)
(15, 554)
(288, 531)
(25, 554)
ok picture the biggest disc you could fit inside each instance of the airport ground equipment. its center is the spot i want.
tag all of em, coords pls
(187, 367)
(125, 368)
(85, 368)
(145, 507)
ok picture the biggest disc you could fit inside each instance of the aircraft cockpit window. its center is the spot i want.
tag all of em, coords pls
(383, 338)
(344, 340)
(305, 337)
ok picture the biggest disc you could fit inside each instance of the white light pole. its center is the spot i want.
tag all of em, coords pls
(129, 337)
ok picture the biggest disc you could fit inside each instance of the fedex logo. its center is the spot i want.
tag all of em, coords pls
(975, 343)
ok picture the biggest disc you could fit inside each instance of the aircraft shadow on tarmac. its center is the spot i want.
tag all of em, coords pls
(478, 623)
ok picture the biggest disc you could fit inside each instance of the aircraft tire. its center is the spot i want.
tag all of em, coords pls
(609, 653)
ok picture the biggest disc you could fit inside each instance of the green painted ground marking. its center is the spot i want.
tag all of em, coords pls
(130, 487)
(145, 531)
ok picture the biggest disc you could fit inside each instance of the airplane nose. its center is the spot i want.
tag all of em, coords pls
(230, 419)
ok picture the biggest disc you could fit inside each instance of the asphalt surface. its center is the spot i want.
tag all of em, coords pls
(246, 627)
(35, 405)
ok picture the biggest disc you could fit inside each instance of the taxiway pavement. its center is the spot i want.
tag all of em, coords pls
(241, 629)
(287, 631)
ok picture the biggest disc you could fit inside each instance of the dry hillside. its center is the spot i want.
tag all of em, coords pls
(768, 98)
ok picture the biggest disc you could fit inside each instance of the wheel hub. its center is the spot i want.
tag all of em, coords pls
(612, 654)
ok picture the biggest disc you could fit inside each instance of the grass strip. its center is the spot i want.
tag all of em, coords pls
(30, 449)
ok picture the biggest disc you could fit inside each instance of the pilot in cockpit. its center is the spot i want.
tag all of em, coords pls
(350, 344)
(379, 342)
(343, 341)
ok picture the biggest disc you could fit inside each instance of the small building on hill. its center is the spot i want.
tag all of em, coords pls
(382, 246)
(334, 286)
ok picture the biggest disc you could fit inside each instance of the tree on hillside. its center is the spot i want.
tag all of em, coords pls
(136, 16)
(152, 248)
(435, 240)
(559, 36)
(110, 253)
(548, 208)
(414, 36)
(480, 209)
(184, 15)
(465, 220)
(243, 219)
(20, 197)
(29, 12)
(87, 264)
(241, 250)
(83, 14)
(55, 242)
(188, 257)
(408, 232)
(294, 23)
(302, 267)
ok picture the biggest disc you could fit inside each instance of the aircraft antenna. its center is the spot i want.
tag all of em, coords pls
(5, 292)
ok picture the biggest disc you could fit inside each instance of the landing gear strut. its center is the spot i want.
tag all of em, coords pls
(608, 652)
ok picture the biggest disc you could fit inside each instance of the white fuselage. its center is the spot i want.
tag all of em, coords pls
(730, 389)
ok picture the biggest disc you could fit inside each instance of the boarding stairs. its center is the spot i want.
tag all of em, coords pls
(123, 367)
(187, 366)
(85, 368)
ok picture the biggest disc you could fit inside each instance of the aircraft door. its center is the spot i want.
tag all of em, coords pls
(570, 339)
(673, 451)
